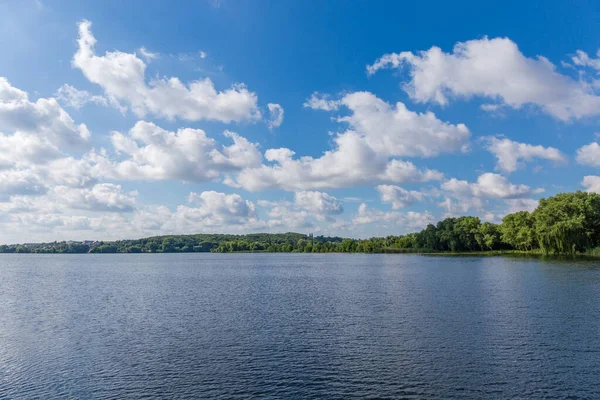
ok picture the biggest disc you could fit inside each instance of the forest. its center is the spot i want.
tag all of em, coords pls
(568, 223)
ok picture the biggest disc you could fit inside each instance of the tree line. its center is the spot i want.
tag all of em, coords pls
(567, 223)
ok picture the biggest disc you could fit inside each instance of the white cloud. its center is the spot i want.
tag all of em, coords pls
(44, 119)
(13, 183)
(462, 205)
(589, 155)
(512, 154)
(22, 149)
(494, 69)
(488, 185)
(399, 197)
(397, 131)
(217, 209)
(148, 55)
(284, 215)
(154, 153)
(582, 59)
(276, 115)
(409, 221)
(75, 98)
(516, 205)
(368, 216)
(591, 183)
(100, 197)
(122, 76)
(352, 162)
(318, 101)
(361, 155)
(318, 203)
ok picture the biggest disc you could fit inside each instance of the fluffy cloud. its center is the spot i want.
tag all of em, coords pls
(462, 205)
(516, 205)
(106, 212)
(352, 162)
(122, 76)
(23, 149)
(511, 154)
(589, 155)
(100, 197)
(318, 203)
(13, 182)
(153, 153)
(75, 98)
(397, 131)
(284, 215)
(361, 154)
(276, 115)
(43, 122)
(409, 221)
(488, 185)
(399, 197)
(591, 183)
(217, 209)
(494, 69)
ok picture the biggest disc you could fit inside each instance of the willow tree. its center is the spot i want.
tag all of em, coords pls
(487, 236)
(568, 222)
(518, 231)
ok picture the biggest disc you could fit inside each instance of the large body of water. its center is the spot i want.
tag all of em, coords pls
(297, 326)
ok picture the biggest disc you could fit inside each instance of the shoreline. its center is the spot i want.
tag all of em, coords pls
(492, 253)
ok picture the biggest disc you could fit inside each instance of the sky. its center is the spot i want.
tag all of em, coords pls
(126, 119)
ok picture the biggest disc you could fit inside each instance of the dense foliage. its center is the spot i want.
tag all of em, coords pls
(567, 223)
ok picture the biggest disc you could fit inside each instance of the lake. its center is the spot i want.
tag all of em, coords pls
(306, 326)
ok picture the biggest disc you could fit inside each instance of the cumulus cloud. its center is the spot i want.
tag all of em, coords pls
(591, 183)
(14, 182)
(397, 131)
(516, 205)
(285, 215)
(153, 153)
(318, 203)
(589, 155)
(75, 98)
(100, 197)
(462, 205)
(105, 211)
(399, 197)
(361, 155)
(409, 221)
(488, 185)
(217, 209)
(352, 162)
(493, 69)
(44, 119)
(122, 76)
(276, 115)
(512, 154)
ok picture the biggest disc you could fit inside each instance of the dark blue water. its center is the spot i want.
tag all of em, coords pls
(297, 326)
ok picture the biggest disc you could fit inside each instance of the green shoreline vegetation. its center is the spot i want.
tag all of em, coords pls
(568, 223)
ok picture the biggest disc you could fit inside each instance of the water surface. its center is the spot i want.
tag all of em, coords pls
(297, 326)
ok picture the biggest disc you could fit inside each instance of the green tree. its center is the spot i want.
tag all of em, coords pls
(568, 222)
(518, 230)
(488, 236)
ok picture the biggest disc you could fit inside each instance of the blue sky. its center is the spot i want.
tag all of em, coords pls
(128, 119)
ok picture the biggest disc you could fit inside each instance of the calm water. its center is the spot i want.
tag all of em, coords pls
(297, 326)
